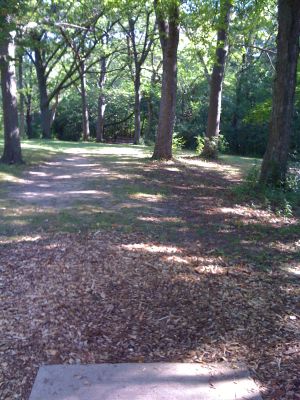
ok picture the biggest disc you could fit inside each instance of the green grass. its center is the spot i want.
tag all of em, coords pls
(38, 151)
(244, 164)
(282, 201)
(131, 196)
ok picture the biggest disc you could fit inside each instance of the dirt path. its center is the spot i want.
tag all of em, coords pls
(158, 264)
(59, 183)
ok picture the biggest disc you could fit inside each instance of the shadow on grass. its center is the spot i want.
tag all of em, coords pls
(175, 202)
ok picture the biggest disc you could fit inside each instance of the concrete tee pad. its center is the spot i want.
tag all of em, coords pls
(137, 381)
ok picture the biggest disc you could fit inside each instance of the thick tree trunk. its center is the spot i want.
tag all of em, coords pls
(216, 83)
(137, 106)
(21, 104)
(275, 162)
(169, 37)
(46, 114)
(85, 111)
(12, 147)
(101, 102)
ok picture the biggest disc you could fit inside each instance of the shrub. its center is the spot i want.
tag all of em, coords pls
(280, 200)
(200, 141)
(178, 142)
(211, 146)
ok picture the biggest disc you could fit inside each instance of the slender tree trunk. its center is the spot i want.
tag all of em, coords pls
(12, 147)
(216, 83)
(169, 37)
(21, 104)
(149, 118)
(275, 162)
(29, 130)
(101, 102)
(43, 95)
(101, 118)
(85, 111)
(137, 106)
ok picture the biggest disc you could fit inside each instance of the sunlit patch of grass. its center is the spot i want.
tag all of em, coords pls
(243, 164)
(235, 166)
(38, 151)
(147, 197)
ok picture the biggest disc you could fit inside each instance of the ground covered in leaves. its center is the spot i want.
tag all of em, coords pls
(145, 262)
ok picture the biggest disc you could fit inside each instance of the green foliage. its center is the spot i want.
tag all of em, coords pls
(200, 141)
(178, 142)
(223, 145)
(281, 201)
(68, 125)
(212, 146)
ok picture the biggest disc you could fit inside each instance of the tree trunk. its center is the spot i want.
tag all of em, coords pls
(101, 102)
(149, 118)
(216, 83)
(43, 95)
(137, 106)
(12, 147)
(21, 105)
(29, 130)
(275, 162)
(169, 37)
(85, 111)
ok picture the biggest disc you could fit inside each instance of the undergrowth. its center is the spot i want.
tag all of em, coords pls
(282, 201)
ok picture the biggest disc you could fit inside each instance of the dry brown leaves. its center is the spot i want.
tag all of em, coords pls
(111, 297)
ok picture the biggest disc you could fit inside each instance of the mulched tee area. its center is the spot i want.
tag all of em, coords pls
(222, 290)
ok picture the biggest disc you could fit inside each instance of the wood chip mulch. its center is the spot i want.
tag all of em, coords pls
(113, 297)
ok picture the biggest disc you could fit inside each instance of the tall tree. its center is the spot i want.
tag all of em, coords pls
(168, 26)
(216, 82)
(12, 147)
(101, 99)
(139, 42)
(275, 162)
(84, 104)
(21, 96)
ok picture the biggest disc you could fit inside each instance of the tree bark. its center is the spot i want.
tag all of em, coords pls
(216, 83)
(138, 57)
(149, 118)
(275, 161)
(29, 130)
(101, 102)
(12, 147)
(22, 104)
(85, 111)
(169, 38)
(46, 115)
(137, 106)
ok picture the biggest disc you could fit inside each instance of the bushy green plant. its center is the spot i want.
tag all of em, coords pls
(178, 142)
(223, 145)
(280, 200)
(200, 141)
(212, 145)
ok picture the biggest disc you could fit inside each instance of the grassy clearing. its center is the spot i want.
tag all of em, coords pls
(38, 151)
(244, 164)
(137, 194)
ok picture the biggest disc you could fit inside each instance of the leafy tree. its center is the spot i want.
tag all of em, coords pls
(216, 82)
(12, 147)
(275, 162)
(168, 26)
(140, 39)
